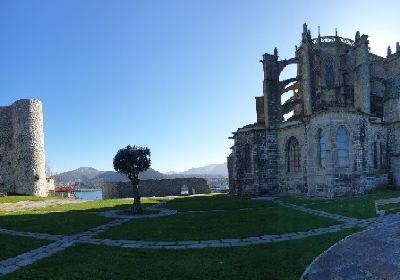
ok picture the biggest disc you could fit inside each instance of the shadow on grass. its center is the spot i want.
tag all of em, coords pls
(216, 202)
(67, 219)
(283, 260)
(12, 246)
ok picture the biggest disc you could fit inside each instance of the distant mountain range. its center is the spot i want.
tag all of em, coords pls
(91, 177)
(88, 176)
(211, 169)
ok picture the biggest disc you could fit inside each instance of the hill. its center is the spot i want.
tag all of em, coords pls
(88, 176)
(209, 170)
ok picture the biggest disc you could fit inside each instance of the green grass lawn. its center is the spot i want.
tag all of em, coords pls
(390, 208)
(284, 260)
(218, 225)
(99, 205)
(12, 246)
(358, 207)
(66, 219)
(215, 202)
(66, 223)
(18, 198)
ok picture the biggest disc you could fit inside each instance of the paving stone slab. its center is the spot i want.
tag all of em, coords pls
(240, 244)
(24, 262)
(176, 247)
(163, 243)
(132, 245)
(8, 269)
(371, 254)
(218, 245)
(197, 246)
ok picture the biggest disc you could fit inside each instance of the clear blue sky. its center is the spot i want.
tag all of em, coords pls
(176, 76)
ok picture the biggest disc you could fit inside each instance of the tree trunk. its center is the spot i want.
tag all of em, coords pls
(137, 205)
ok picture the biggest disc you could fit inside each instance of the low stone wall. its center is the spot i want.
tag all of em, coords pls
(162, 187)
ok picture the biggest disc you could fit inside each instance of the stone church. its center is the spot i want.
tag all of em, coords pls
(343, 133)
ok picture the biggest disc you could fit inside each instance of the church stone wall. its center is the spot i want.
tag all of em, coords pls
(292, 182)
(361, 173)
(22, 160)
(253, 164)
(339, 84)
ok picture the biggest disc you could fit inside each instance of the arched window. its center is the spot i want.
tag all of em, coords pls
(321, 148)
(342, 142)
(293, 155)
(329, 72)
(247, 158)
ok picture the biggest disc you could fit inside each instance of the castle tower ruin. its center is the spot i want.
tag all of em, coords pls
(22, 158)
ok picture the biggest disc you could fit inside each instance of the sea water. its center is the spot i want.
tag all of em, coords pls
(92, 195)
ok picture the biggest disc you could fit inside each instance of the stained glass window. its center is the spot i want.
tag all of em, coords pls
(342, 142)
(322, 148)
(329, 72)
(293, 155)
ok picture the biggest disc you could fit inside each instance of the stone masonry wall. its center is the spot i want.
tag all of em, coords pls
(148, 188)
(292, 182)
(392, 115)
(255, 172)
(22, 161)
(360, 174)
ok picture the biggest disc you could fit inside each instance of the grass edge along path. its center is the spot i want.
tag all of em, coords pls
(11, 246)
(283, 260)
(66, 219)
(218, 225)
(360, 207)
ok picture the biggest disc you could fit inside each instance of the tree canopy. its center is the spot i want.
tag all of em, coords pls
(132, 160)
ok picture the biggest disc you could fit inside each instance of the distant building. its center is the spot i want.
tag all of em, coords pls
(343, 135)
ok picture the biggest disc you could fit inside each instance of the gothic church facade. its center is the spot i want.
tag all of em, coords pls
(343, 132)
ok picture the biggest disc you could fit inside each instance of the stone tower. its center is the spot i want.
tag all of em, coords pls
(22, 158)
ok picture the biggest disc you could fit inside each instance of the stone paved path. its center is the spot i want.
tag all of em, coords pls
(61, 242)
(371, 254)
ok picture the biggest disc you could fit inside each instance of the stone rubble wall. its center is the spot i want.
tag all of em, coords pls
(148, 188)
(22, 159)
(262, 175)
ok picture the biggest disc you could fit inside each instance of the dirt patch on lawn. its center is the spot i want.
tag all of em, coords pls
(29, 205)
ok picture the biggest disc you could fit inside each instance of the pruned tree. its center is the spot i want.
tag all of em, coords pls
(131, 161)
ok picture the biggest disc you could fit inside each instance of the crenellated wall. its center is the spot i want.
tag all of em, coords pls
(22, 159)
